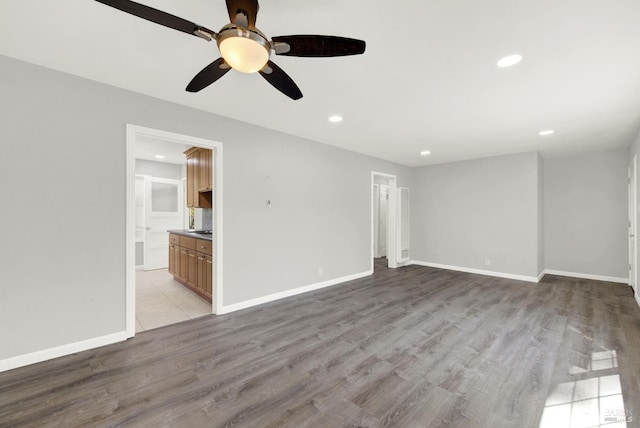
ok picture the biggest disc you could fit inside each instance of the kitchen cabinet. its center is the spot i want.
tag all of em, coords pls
(199, 177)
(184, 263)
(205, 164)
(174, 255)
(191, 263)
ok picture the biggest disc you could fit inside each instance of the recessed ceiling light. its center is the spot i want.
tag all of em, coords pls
(547, 132)
(509, 61)
(335, 119)
(425, 153)
(159, 156)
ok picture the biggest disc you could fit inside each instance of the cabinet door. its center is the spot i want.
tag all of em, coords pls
(176, 261)
(172, 260)
(190, 173)
(202, 272)
(192, 268)
(184, 263)
(208, 287)
(204, 166)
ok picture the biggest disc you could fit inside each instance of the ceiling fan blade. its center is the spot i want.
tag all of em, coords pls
(160, 17)
(208, 75)
(281, 81)
(248, 8)
(317, 46)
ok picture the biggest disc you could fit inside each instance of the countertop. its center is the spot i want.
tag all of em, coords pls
(191, 234)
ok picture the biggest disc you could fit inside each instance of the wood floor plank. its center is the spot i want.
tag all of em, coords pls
(408, 347)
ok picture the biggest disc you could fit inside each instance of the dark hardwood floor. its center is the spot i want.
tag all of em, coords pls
(410, 347)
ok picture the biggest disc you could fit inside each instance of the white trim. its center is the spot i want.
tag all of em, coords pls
(476, 271)
(542, 274)
(130, 232)
(60, 351)
(588, 276)
(132, 131)
(637, 296)
(288, 293)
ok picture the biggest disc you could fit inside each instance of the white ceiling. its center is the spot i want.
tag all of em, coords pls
(148, 148)
(427, 81)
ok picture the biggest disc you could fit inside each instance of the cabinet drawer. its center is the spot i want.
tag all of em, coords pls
(174, 239)
(203, 246)
(188, 242)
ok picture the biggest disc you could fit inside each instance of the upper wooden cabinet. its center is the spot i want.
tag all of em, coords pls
(199, 177)
(205, 158)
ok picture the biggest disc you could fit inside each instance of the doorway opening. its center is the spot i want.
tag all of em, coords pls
(389, 222)
(383, 220)
(160, 195)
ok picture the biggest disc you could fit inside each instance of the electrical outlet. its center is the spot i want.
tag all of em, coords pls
(487, 262)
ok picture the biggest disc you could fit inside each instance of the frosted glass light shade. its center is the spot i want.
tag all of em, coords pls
(244, 54)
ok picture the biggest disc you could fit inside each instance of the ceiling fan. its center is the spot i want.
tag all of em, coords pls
(245, 48)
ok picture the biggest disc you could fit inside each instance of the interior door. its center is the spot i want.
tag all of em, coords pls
(383, 222)
(632, 224)
(164, 200)
(139, 221)
(376, 218)
(404, 220)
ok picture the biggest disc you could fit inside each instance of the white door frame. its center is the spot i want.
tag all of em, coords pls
(133, 131)
(633, 222)
(391, 224)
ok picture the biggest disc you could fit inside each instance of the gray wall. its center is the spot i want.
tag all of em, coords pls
(465, 212)
(159, 169)
(586, 214)
(63, 169)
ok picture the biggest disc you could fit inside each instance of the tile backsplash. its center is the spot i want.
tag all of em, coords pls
(207, 218)
(203, 219)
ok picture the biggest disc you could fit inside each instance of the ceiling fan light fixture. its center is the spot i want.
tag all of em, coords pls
(243, 50)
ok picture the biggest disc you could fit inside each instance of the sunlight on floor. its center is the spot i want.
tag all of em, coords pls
(588, 403)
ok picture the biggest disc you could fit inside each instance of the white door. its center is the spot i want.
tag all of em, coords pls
(139, 222)
(376, 218)
(404, 220)
(632, 224)
(383, 220)
(163, 211)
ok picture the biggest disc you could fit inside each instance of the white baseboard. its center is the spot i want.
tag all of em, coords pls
(476, 271)
(288, 293)
(637, 298)
(542, 274)
(588, 276)
(60, 351)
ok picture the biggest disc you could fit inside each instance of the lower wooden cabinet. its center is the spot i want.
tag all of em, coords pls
(191, 267)
(208, 283)
(202, 273)
(176, 260)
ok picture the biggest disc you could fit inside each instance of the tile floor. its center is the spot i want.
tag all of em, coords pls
(160, 301)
